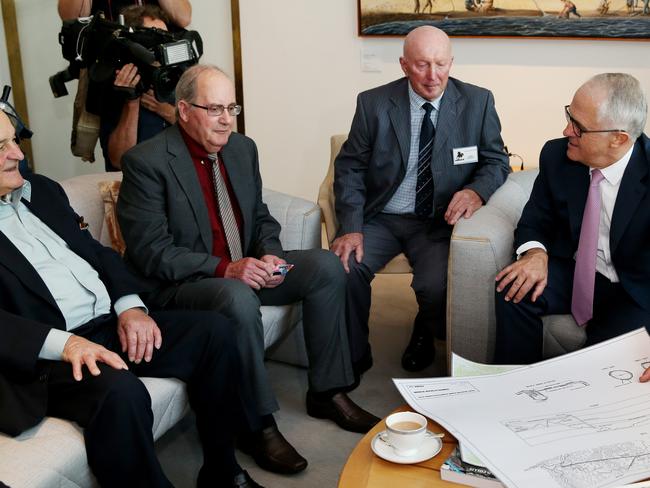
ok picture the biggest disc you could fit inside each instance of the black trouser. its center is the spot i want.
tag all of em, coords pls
(114, 408)
(519, 335)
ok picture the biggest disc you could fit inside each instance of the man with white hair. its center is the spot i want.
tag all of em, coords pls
(583, 240)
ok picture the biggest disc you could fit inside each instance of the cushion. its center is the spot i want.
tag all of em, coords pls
(109, 191)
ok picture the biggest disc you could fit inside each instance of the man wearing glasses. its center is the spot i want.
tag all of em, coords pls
(583, 240)
(194, 222)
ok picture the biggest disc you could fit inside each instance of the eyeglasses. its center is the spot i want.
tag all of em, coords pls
(215, 110)
(578, 129)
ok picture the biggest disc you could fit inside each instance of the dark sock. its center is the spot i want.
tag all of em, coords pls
(324, 396)
(267, 421)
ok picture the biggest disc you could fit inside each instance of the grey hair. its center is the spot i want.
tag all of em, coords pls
(186, 86)
(625, 105)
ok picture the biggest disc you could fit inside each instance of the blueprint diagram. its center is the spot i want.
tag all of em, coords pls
(598, 467)
(581, 420)
(614, 416)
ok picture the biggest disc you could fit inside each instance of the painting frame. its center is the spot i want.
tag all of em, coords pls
(539, 19)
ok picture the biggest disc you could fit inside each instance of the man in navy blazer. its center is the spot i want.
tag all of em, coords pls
(378, 179)
(604, 140)
(75, 336)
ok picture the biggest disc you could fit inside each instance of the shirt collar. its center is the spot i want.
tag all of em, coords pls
(25, 191)
(417, 101)
(614, 172)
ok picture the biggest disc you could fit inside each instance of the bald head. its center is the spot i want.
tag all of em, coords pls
(421, 39)
(426, 61)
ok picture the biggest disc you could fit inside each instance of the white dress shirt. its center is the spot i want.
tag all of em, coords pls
(609, 186)
(75, 285)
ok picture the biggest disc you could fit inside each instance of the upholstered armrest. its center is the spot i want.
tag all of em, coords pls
(479, 248)
(299, 218)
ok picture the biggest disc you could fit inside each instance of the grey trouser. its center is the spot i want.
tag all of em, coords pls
(426, 246)
(318, 280)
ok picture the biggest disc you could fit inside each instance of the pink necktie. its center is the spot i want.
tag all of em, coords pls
(584, 278)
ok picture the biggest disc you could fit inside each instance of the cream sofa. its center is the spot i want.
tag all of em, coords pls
(480, 247)
(52, 454)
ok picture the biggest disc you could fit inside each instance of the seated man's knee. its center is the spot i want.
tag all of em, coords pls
(328, 267)
(123, 389)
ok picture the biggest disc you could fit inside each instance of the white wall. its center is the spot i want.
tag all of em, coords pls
(302, 74)
(50, 118)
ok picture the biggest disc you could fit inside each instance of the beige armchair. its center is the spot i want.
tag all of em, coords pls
(398, 264)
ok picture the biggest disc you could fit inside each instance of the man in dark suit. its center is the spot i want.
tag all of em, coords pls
(192, 216)
(582, 242)
(75, 336)
(423, 151)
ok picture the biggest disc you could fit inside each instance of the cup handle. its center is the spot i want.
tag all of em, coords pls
(383, 436)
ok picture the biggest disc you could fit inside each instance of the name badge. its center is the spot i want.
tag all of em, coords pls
(465, 155)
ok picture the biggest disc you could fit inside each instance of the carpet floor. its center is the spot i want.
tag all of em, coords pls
(321, 442)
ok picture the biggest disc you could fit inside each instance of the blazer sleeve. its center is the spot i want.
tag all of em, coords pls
(537, 222)
(350, 168)
(494, 165)
(142, 215)
(20, 342)
(266, 230)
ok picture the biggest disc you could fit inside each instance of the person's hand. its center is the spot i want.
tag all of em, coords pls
(275, 280)
(138, 334)
(463, 204)
(127, 76)
(645, 377)
(79, 352)
(254, 272)
(165, 110)
(346, 244)
(529, 272)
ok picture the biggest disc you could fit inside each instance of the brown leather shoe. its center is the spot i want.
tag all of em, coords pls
(347, 414)
(273, 452)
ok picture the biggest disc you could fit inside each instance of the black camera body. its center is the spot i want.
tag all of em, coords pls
(103, 47)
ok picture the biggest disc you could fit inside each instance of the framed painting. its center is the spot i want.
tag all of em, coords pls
(598, 19)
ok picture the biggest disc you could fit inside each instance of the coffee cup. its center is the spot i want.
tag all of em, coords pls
(405, 432)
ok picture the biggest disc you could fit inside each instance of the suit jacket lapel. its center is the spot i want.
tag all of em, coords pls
(233, 159)
(400, 117)
(180, 163)
(15, 262)
(450, 106)
(577, 182)
(631, 192)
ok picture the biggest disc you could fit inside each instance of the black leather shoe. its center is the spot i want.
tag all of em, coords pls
(243, 480)
(420, 352)
(273, 452)
(347, 414)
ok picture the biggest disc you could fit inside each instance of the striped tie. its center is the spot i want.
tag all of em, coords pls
(424, 185)
(225, 210)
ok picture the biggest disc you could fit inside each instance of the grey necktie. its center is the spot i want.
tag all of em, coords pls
(225, 210)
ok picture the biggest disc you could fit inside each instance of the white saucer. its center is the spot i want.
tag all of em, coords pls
(429, 448)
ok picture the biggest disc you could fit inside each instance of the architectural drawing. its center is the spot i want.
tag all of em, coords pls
(541, 394)
(597, 467)
(614, 416)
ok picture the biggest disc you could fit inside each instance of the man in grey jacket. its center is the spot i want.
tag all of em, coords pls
(195, 224)
(423, 151)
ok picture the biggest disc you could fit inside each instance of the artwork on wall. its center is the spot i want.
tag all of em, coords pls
(599, 19)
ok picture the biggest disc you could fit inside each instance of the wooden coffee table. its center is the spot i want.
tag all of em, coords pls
(364, 469)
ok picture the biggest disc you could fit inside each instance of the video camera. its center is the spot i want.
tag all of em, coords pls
(103, 46)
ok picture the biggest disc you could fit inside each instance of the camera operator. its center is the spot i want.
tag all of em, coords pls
(178, 11)
(127, 121)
